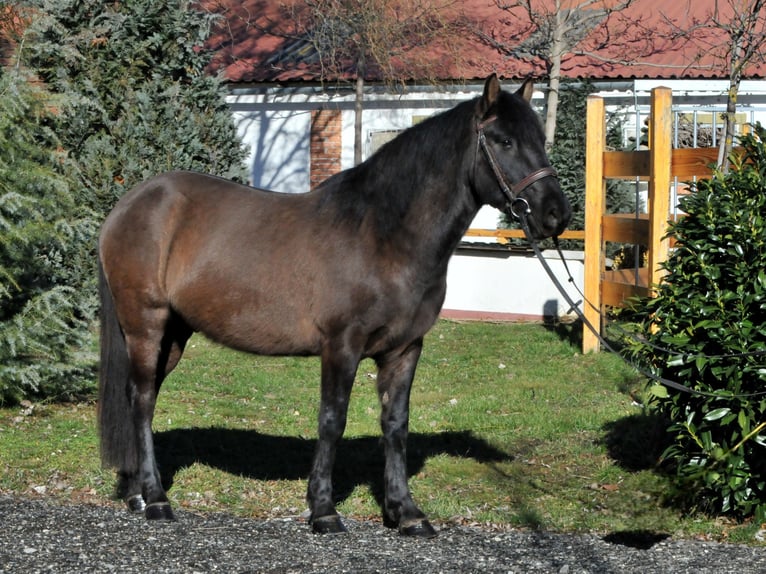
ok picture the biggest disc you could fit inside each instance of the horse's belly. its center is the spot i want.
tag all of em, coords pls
(250, 323)
(294, 301)
(262, 336)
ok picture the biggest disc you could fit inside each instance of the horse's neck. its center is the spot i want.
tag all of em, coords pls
(433, 234)
(446, 207)
(423, 227)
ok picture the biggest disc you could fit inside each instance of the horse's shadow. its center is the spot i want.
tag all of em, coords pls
(260, 456)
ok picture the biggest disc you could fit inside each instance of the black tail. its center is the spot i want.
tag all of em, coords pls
(115, 420)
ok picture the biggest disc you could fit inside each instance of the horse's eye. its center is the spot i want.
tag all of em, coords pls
(507, 142)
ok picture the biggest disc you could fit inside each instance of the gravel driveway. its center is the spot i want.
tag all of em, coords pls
(43, 536)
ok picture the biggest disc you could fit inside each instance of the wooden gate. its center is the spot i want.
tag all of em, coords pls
(658, 165)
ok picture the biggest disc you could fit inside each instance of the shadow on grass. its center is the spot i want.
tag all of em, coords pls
(636, 442)
(268, 457)
(568, 332)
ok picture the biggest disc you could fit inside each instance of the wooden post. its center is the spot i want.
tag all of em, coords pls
(595, 199)
(660, 152)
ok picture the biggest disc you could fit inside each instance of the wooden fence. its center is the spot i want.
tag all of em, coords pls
(658, 165)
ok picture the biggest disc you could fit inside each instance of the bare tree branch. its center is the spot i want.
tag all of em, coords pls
(730, 38)
(358, 40)
(550, 30)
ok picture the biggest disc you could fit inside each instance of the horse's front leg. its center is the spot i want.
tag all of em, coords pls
(396, 371)
(338, 372)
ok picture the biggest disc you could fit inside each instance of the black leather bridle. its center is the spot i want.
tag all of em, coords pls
(515, 205)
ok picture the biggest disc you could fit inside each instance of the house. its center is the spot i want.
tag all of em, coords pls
(275, 74)
(300, 127)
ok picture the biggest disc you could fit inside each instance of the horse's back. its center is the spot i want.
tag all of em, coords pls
(249, 268)
(179, 213)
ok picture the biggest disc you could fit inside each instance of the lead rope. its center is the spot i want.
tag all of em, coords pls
(522, 217)
(684, 356)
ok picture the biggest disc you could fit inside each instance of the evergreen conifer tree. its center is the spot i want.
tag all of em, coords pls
(135, 96)
(43, 316)
(129, 97)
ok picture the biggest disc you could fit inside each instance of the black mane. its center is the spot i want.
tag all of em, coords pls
(386, 184)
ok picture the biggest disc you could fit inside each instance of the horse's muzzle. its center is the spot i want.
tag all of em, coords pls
(550, 220)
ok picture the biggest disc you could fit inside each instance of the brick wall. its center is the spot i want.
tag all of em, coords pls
(325, 147)
(11, 27)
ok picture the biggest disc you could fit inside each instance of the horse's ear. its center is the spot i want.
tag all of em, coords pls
(491, 91)
(527, 89)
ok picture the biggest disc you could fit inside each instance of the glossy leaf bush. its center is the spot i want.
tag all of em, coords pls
(707, 329)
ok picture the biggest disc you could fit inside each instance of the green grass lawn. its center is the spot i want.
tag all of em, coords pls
(510, 426)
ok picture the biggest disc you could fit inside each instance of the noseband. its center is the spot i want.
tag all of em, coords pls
(515, 205)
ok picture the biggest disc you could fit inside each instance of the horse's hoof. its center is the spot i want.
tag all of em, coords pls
(136, 504)
(159, 511)
(331, 524)
(418, 528)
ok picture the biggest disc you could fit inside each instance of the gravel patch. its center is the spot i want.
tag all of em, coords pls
(39, 536)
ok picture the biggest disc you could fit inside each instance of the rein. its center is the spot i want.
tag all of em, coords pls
(580, 315)
(519, 208)
(511, 191)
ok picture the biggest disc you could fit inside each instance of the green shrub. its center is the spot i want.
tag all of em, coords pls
(130, 97)
(710, 310)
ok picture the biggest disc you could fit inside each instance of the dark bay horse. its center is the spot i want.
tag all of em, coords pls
(353, 269)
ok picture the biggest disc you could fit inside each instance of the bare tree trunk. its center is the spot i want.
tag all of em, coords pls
(359, 98)
(727, 138)
(554, 81)
(735, 76)
(552, 105)
(746, 41)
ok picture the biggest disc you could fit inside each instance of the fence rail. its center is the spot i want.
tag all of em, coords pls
(503, 235)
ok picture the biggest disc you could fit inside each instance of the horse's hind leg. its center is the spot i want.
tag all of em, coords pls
(396, 371)
(153, 355)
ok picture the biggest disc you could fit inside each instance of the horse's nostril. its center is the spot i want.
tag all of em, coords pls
(553, 217)
(557, 219)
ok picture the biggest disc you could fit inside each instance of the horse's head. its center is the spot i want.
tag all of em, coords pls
(513, 172)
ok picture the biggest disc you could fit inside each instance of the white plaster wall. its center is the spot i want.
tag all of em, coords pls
(276, 130)
(511, 284)
(278, 143)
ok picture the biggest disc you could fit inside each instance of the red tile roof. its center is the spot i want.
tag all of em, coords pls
(251, 44)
